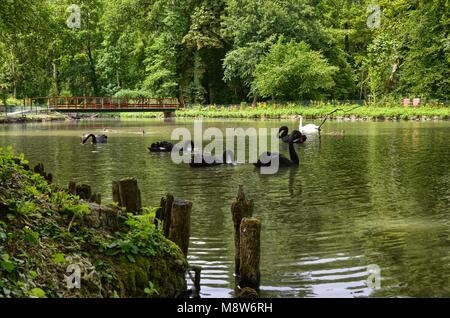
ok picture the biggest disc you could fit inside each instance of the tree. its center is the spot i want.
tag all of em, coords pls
(293, 71)
(253, 26)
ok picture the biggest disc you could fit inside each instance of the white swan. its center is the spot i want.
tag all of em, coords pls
(308, 129)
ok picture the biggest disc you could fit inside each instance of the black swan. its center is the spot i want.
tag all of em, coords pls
(96, 139)
(285, 137)
(165, 146)
(161, 146)
(265, 160)
(205, 160)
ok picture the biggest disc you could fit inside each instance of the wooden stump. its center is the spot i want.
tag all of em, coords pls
(180, 225)
(160, 212)
(39, 169)
(196, 280)
(248, 292)
(96, 198)
(127, 194)
(84, 191)
(168, 214)
(240, 208)
(164, 213)
(250, 253)
(72, 187)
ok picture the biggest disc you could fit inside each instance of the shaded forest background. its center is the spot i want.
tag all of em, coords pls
(226, 51)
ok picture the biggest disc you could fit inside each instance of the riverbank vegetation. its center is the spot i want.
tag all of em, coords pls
(30, 118)
(318, 111)
(44, 229)
(226, 51)
(314, 110)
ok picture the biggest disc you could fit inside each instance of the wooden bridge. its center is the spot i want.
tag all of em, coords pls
(83, 104)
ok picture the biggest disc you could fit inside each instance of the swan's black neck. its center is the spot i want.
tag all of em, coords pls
(293, 153)
(94, 140)
(283, 132)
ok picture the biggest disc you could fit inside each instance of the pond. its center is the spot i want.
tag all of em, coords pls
(373, 193)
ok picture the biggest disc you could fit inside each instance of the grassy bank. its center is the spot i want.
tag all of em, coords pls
(44, 229)
(318, 111)
(30, 118)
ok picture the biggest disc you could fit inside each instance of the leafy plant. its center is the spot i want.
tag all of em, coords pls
(59, 258)
(31, 236)
(37, 293)
(143, 238)
(151, 290)
(6, 263)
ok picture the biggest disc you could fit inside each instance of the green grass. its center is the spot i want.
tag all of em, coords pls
(317, 111)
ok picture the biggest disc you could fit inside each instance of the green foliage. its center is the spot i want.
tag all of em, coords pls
(293, 71)
(143, 238)
(59, 258)
(36, 246)
(31, 236)
(7, 264)
(319, 110)
(151, 290)
(207, 51)
(37, 293)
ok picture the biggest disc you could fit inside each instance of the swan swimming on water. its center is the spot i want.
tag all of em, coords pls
(96, 139)
(309, 128)
(266, 158)
(204, 160)
(161, 146)
(299, 138)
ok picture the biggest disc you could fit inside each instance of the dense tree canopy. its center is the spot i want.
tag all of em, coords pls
(294, 71)
(222, 51)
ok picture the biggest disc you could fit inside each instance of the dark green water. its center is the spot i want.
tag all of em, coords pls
(379, 194)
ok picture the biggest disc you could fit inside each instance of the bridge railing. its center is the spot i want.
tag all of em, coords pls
(80, 103)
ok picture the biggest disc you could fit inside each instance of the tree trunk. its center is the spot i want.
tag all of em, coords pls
(93, 73)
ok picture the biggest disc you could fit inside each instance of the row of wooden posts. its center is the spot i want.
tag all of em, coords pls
(174, 218)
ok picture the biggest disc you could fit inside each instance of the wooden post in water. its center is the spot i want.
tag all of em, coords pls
(180, 225)
(39, 169)
(96, 198)
(84, 191)
(126, 194)
(164, 213)
(240, 208)
(72, 187)
(168, 214)
(250, 233)
(160, 212)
